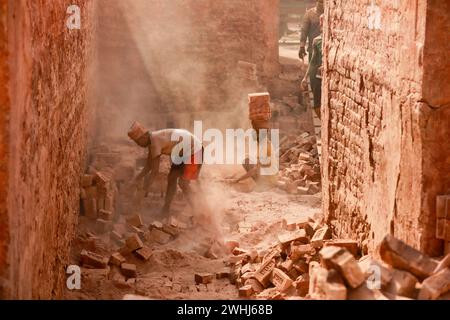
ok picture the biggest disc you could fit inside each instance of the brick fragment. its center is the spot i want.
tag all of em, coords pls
(257, 287)
(350, 245)
(293, 274)
(264, 273)
(309, 229)
(372, 268)
(401, 256)
(301, 284)
(134, 243)
(120, 282)
(156, 225)
(246, 276)
(144, 253)
(246, 291)
(301, 266)
(234, 274)
(291, 225)
(435, 286)
(135, 221)
(326, 284)
(129, 270)
(444, 263)
(223, 274)
(174, 232)
(300, 251)
(286, 265)
(237, 259)
(364, 293)
(117, 259)
(320, 235)
(247, 268)
(124, 250)
(403, 284)
(101, 180)
(238, 251)
(345, 263)
(203, 278)
(280, 280)
(93, 259)
(158, 236)
(298, 235)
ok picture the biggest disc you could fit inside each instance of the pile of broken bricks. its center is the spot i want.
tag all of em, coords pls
(307, 264)
(98, 196)
(132, 239)
(299, 165)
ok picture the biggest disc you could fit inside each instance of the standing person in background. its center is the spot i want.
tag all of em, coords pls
(310, 29)
(314, 72)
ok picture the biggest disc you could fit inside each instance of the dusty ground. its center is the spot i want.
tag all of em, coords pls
(251, 218)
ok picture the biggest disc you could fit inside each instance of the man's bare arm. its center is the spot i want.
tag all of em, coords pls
(154, 165)
(143, 173)
(147, 168)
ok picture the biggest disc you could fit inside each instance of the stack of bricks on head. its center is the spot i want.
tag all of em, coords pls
(299, 157)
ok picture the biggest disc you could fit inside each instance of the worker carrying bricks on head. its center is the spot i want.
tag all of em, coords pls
(266, 157)
(186, 154)
(314, 72)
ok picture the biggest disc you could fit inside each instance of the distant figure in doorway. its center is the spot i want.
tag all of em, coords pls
(314, 72)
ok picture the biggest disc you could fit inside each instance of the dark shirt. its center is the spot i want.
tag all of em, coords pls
(310, 28)
(316, 59)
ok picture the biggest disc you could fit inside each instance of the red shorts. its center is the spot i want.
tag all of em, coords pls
(191, 171)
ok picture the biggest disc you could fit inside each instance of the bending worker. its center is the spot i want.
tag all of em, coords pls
(186, 161)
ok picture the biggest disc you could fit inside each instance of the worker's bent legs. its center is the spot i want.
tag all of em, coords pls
(185, 186)
(176, 171)
(248, 166)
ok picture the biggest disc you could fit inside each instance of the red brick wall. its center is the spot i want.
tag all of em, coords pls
(165, 62)
(46, 142)
(4, 111)
(435, 122)
(375, 137)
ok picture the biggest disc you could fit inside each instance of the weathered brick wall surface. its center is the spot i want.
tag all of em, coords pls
(4, 111)
(374, 136)
(435, 122)
(47, 113)
(169, 62)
